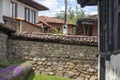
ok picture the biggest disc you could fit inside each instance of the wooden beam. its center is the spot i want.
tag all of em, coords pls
(84, 2)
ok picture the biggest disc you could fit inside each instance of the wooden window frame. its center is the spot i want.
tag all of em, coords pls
(27, 14)
(33, 15)
(13, 6)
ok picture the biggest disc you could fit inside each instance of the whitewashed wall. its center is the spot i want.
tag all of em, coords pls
(21, 10)
(5, 9)
(1, 11)
(113, 68)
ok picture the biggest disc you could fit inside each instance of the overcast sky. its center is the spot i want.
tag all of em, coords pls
(56, 6)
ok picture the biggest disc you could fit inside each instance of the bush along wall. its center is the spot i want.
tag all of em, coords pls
(65, 56)
(15, 72)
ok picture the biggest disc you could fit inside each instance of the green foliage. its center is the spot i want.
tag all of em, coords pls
(60, 15)
(56, 31)
(72, 14)
(5, 64)
(34, 76)
(74, 30)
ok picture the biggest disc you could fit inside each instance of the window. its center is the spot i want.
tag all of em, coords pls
(13, 10)
(30, 15)
(33, 16)
(27, 14)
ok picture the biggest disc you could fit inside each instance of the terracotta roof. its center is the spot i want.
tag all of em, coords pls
(65, 39)
(92, 17)
(34, 4)
(56, 38)
(89, 19)
(53, 20)
(41, 21)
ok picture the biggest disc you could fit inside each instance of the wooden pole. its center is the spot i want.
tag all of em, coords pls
(65, 17)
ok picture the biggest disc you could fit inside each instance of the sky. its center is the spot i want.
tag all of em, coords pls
(57, 6)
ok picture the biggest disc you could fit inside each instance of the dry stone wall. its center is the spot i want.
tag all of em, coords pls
(65, 60)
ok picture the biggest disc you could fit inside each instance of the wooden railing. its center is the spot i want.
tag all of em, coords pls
(20, 24)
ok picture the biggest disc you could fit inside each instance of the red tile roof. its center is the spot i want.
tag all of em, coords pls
(43, 22)
(92, 17)
(52, 20)
(56, 38)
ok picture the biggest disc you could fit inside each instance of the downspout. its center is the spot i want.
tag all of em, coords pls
(98, 40)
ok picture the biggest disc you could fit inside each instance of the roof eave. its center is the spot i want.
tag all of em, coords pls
(84, 3)
(34, 4)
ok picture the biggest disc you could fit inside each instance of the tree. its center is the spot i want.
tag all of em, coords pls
(72, 15)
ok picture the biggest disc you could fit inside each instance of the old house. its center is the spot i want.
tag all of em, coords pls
(109, 45)
(45, 26)
(87, 26)
(21, 15)
(57, 23)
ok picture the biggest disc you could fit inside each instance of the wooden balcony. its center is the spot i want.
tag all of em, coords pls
(21, 24)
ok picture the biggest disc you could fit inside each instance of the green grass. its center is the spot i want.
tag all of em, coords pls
(34, 76)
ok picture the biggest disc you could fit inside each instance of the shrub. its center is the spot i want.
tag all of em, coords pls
(5, 64)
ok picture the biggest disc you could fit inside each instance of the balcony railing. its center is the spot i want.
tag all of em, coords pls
(21, 24)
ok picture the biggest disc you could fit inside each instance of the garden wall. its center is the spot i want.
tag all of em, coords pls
(66, 56)
(61, 55)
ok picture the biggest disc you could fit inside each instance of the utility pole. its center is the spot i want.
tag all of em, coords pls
(65, 17)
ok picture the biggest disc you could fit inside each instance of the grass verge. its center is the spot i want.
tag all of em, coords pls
(34, 76)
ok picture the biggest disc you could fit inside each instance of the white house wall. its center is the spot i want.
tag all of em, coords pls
(5, 9)
(1, 20)
(113, 68)
(21, 10)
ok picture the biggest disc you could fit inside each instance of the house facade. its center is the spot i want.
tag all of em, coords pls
(56, 23)
(15, 12)
(87, 26)
(109, 31)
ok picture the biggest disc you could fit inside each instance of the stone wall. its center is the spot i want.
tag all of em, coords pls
(3, 46)
(4, 32)
(65, 60)
(61, 55)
